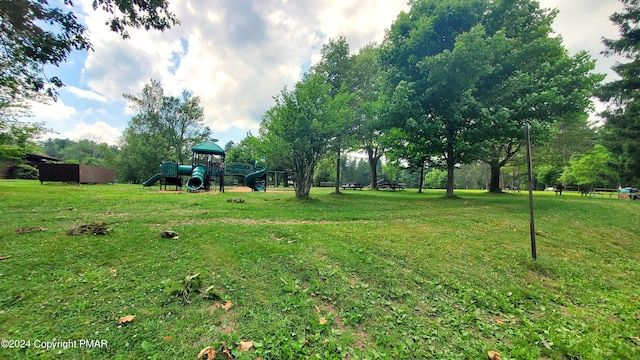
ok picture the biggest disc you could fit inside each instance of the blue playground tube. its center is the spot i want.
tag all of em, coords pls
(196, 181)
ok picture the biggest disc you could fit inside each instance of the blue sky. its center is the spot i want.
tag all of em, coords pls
(237, 54)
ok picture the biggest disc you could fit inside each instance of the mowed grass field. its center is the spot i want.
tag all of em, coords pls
(365, 274)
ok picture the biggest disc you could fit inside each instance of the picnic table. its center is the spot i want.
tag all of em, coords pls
(390, 185)
(352, 186)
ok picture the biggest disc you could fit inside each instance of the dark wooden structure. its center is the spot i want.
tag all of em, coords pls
(75, 173)
(9, 169)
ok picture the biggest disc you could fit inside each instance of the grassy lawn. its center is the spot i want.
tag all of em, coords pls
(365, 274)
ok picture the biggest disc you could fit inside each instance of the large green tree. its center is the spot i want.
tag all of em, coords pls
(472, 73)
(300, 126)
(336, 67)
(435, 54)
(164, 128)
(622, 127)
(532, 80)
(590, 169)
(371, 107)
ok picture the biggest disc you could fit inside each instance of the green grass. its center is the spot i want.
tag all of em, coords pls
(395, 275)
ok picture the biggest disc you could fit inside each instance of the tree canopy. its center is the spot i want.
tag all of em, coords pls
(467, 75)
(301, 125)
(164, 128)
(34, 34)
(622, 127)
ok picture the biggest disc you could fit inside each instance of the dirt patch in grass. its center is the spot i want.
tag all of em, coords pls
(23, 230)
(239, 221)
(95, 228)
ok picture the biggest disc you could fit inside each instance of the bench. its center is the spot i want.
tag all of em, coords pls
(327, 184)
(352, 186)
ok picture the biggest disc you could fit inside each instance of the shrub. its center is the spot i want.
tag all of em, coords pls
(26, 171)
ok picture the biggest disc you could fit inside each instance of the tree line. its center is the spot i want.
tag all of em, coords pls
(448, 91)
(453, 83)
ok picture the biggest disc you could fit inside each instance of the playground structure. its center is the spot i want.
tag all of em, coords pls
(208, 163)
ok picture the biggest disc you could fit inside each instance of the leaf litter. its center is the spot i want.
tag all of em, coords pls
(95, 228)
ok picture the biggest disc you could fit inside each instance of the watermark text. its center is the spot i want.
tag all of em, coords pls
(54, 344)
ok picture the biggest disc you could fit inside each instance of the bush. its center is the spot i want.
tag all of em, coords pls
(27, 172)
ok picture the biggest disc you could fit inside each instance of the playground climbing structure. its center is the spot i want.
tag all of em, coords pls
(207, 164)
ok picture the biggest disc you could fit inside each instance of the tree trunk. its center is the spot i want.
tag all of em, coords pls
(494, 185)
(450, 169)
(451, 165)
(338, 173)
(373, 166)
(421, 183)
(303, 187)
(304, 177)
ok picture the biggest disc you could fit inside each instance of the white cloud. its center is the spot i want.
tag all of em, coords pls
(54, 112)
(583, 27)
(237, 54)
(234, 54)
(99, 132)
(86, 94)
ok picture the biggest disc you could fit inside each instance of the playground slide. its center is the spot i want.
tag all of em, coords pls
(250, 179)
(152, 180)
(196, 181)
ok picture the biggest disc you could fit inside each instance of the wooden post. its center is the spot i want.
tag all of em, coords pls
(532, 228)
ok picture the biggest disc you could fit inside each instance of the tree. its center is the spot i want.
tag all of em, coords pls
(494, 68)
(247, 150)
(15, 138)
(85, 152)
(435, 54)
(391, 169)
(472, 176)
(147, 14)
(27, 46)
(34, 34)
(141, 153)
(436, 179)
(590, 169)
(622, 127)
(371, 107)
(336, 66)
(301, 125)
(533, 80)
(178, 120)
(569, 136)
(164, 128)
(185, 125)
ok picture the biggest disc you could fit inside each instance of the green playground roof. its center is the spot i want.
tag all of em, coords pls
(208, 147)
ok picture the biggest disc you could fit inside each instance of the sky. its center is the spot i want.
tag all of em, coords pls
(236, 55)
